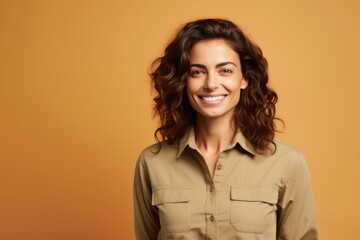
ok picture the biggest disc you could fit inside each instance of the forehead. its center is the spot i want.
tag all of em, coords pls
(215, 50)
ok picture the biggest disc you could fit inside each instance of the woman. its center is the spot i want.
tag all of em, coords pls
(216, 171)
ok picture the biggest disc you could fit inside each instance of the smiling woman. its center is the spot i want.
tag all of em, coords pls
(215, 79)
(216, 171)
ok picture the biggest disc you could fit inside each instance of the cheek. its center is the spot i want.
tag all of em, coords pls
(233, 85)
(191, 88)
(237, 100)
(236, 92)
(189, 94)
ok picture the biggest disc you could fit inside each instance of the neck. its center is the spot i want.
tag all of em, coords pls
(213, 135)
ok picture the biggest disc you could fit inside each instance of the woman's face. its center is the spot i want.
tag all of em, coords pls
(214, 80)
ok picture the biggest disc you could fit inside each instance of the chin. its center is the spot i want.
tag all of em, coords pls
(211, 115)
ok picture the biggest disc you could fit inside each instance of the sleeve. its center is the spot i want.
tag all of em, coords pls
(145, 215)
(296, 213)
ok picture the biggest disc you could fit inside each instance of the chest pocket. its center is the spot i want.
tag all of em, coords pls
(174, 208)
(253, 209)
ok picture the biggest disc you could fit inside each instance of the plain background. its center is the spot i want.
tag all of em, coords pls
(75, 105)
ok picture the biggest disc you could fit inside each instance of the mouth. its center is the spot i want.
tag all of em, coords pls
(212, 99)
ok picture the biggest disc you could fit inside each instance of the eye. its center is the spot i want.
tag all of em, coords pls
(196, 72)
(226, 71)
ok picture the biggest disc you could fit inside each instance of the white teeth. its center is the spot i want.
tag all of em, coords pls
(212, 99)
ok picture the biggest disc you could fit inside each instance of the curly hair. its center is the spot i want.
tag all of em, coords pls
(255, 112)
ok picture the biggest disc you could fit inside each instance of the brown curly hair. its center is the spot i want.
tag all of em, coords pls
(255, 112)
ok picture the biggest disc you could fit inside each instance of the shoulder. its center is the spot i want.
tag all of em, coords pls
(158, 152)
(159, 162)
(284, 149)
(290, 156)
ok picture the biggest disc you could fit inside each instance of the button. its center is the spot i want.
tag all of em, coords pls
(211, 189)
(212, 218)
(219, 166)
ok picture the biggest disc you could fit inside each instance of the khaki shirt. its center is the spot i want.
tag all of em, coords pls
(250, 196)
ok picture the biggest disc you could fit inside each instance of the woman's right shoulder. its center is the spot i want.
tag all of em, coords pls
(158, 151)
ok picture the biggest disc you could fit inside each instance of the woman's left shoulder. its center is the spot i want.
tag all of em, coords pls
(285, 148)
(289, 154)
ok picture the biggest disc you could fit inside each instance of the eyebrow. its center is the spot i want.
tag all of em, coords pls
(217, 65)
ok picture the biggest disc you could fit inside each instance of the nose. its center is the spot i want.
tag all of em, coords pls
(211, 82)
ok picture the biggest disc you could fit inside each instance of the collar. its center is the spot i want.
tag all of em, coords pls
(189, 140)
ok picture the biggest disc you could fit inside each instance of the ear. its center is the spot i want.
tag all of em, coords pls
(244, 83)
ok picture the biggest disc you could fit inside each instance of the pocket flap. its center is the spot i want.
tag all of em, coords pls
(171, 195)
(255, 194)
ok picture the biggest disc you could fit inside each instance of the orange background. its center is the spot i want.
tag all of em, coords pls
(75, 105)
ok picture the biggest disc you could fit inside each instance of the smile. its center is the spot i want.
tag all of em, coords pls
(212, 98)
